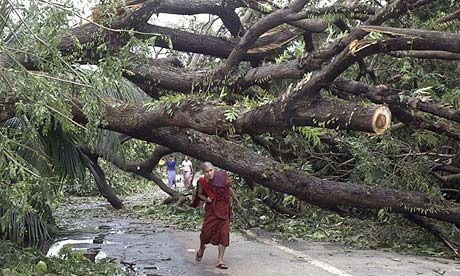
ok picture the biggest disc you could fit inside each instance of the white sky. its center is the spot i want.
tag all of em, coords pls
(163, 19)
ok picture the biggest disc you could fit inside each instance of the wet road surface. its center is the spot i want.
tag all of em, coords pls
(145, 247)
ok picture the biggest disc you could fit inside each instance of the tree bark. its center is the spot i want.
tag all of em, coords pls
(443, 55)
(281, 178)
(143, 168)
(399, 104)
(104, 188)
(201, 43)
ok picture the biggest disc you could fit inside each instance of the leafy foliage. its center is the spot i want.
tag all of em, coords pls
(23, 261)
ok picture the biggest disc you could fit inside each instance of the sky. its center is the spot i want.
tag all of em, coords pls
(163, 19)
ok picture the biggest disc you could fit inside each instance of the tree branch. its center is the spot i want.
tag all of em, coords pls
(384, 95)
(454, 246)
(426, 55)
(268, 22)
(275, 176)
(449, 17)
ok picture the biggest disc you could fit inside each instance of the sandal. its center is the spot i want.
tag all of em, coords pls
(222, 266)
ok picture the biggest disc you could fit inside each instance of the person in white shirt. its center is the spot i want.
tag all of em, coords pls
(187, 172)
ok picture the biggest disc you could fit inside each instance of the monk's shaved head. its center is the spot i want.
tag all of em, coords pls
(206, 165)
(208, 170)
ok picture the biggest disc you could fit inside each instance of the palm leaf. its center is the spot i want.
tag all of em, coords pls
(109, 145)
(22, 227)
(14, 122)
(125, 91)
(64, 153)
(31, 149)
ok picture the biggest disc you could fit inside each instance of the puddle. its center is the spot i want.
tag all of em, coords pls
(140, 246)
(54, 249)
(79, 244)
(101, 255)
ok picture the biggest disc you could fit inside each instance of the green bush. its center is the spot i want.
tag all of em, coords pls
(28, 261)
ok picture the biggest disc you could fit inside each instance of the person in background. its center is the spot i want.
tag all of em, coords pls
(161, 163)
(171, 165)
(187, 169)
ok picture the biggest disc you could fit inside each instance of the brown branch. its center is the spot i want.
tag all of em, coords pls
(446, 168)
(393, 10)
(101, 182)
(426, 55)
(454, 246)
(398, 106)
(274, 175)
(420, 39)
(362, 48)
(151, 77)
(271, 174)
(259, 28)
(195, 43)
(449, 17)
(363, 70)
(209, 117)
(224, 9)
(334, 114)
(417, 121)
(114, 34)
(309, 43)
(310, 89)
(357, 12)
(309, 25)
(142, 168)
(231, 20)
(291, 69)
(451, 177)
(313, 61)
(384, 95)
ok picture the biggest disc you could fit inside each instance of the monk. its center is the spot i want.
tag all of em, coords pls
(214, 189)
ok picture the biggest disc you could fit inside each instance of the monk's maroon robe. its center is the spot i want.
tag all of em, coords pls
(216, 224)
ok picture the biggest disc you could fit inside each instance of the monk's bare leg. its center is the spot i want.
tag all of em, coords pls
(220, 257)
(200, 253)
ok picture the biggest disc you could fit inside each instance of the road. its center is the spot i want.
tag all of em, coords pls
(146, 247)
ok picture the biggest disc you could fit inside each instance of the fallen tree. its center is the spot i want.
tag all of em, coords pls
(254, 90)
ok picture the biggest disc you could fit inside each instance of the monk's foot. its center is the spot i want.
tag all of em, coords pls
(199, 254)
(221, 265)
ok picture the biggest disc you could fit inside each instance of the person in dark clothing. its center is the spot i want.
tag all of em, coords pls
(214, 189)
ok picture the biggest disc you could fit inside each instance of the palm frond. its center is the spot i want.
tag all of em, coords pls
(126, 91)
(30, 148)
(14, 122)
(109, 145)
(20, 227)
(64, 153)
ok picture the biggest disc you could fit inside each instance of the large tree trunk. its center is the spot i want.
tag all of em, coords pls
(279, 177)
